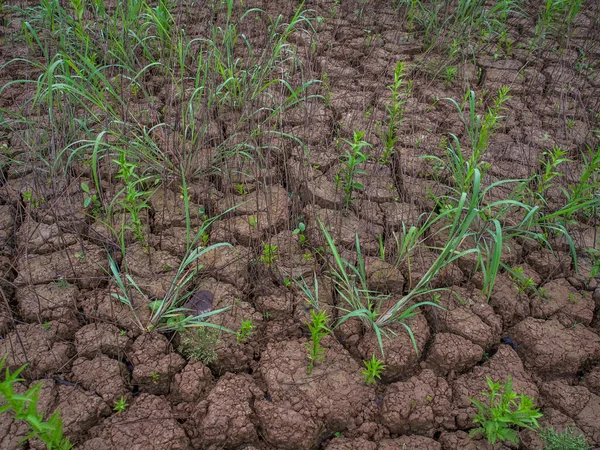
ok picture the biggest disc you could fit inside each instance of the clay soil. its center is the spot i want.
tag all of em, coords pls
(58, 316)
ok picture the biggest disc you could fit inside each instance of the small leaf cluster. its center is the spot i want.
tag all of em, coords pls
(318, 330)
(505, 412)
(373, 370)
(25, 407)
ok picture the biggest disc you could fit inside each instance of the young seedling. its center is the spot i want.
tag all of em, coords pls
(269, 254)
(134, 200)
(449, 75)
(299, 231)
(246, 329)
(90, 199)
(505, 412)
(120, 405)
(351, 160)
(550, 161)
(318, 330)
(400, 90)
(373, 370)
(252, 221)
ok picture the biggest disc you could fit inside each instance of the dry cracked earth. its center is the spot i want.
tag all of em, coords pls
(57, 313)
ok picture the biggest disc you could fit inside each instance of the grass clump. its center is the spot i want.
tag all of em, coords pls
(555, 17)
(168, 313)
(567, 440)
(24, 407)
(199, 344)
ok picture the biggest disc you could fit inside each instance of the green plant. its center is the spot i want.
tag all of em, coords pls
(299, 231)
(400, 90)
(246, 329)
(155, 377)
(469, 23)
(269, 254)
(373, 369)
(168, 313)
(351, 160)
(241, 189)
(569, 439)
(583, 197)
(555, 16)
(359, 302)
(252, 221)
(24, 407)
(90, 199)
(135, 199)
(524, 285)
(505, 412)
(318, 330)
(594, 254)
(550, 162)
(120, 405)
(449, 75)
(199, 344)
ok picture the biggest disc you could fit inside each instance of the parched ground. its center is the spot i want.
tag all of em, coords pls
(57, 313)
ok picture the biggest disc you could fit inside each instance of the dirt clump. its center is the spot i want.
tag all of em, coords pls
(226, 418)
(97, 338)
(154, 363)
(147, 423)
(547, 347)
(40, 346)
(452, 353)
(419, 405)
(334, 393)
(47, 301)
(400, 357)
(192, 383)
(84, 265)
(79, 409)
(231, 355)
(471, 317)
(105, 376)
(564, 303)
(510, 304)
(285, 428)
(576, 402)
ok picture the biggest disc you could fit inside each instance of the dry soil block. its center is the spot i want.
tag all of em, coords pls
(420, 405)
(147, 424)
(400, 357)
(228, 420)
(84, 265)
(578, 403)
(334, 393)
(451, 352)
(47, 301)
(547, 347)
(43, 347)
(105, 376)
